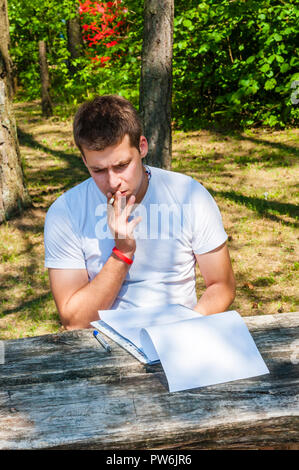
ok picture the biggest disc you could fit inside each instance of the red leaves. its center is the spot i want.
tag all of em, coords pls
(104, 59)
(99, 8)
(111, 44)
(102, 21)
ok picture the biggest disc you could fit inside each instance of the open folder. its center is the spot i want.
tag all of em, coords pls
(194, 350)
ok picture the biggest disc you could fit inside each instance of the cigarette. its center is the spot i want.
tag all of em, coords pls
(111, 200)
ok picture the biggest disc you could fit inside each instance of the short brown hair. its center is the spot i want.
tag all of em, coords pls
(104, 121)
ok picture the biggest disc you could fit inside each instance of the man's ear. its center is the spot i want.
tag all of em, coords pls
(83, 158)
(143, 146)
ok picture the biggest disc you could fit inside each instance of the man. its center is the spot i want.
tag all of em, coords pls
(96, 260)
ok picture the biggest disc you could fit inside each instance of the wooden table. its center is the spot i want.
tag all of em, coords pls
(62, 391)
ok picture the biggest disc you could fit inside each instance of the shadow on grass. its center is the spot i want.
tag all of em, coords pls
(62, 179)
(285, 156)
(262, 207)
(289, 149)
(30, 281)
(66, 177)
(33, 306)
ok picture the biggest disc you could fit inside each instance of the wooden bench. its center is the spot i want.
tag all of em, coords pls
(62, 391)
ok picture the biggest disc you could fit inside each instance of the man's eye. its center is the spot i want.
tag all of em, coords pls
(97, 171)
(122, 165)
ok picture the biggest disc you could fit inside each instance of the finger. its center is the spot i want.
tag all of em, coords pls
(121, 203)
(132, 199)
(110, 198)
(133, 223)
(110, 209)
(117, 202)
(130, 206)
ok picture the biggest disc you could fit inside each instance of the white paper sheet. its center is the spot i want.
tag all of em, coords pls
(129, 322)
(204, 350)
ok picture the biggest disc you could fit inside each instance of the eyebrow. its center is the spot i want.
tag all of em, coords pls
(121, 162)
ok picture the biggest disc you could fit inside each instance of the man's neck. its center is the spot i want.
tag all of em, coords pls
(143, 187)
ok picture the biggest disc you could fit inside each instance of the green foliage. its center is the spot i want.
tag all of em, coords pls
(31, 22)
(234, 61)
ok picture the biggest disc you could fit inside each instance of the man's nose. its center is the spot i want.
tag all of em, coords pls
(113, 181)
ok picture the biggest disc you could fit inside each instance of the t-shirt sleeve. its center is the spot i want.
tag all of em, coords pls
(62, 243)
(207, 227)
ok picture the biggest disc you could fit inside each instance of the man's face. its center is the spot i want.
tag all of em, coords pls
(118, 168)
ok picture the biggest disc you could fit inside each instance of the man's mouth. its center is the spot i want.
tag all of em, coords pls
(123, 194)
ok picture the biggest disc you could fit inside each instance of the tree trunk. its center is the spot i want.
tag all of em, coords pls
(13, 194)
(45, 81)
(4, 47)
(75, 42)
(156, 80)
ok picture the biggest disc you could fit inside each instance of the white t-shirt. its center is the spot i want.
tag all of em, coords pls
(179, 219)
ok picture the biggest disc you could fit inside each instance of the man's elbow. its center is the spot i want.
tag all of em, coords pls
(75, 326)
(70, 321)
(70, 326)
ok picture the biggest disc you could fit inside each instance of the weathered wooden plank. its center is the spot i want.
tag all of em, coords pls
(84, 411)
(99, 416)
(63, 391)
(52, 357)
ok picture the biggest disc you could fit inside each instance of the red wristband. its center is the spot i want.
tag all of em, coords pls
(121, 256)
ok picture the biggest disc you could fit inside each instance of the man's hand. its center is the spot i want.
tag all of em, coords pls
(118, 215)
(78, 300)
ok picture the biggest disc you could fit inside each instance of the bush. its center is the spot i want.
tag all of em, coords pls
(234, 62)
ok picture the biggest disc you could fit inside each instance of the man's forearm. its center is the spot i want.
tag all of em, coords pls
(99, 294)
(216, 298)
